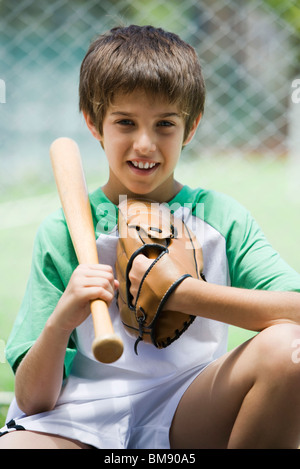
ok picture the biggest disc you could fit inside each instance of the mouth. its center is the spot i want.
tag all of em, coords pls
(143, 166)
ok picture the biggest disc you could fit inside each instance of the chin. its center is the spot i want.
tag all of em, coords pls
(140, 193)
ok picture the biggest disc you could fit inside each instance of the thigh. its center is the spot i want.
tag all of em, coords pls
(208, 409)
(25, 439)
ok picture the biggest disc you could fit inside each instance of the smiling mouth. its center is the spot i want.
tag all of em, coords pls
(144, 165)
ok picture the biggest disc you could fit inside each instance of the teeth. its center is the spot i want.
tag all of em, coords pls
(141, 165)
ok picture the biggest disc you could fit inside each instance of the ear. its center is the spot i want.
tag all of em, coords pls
(91, 126)
(193, 130)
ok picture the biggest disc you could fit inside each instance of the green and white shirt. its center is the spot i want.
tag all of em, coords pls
(235, 253)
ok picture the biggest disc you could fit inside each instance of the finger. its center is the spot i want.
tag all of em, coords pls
(104, 267)
(94, 292)
(99, 293)
(139, 266)
(86, 274)
(102, 282)
(90, 268)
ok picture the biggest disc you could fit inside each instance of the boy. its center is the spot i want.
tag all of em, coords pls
(142, 96)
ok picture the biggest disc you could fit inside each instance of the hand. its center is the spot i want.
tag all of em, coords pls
(139, 266)
(88, 282)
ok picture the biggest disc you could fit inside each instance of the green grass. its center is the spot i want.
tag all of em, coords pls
(262, 185)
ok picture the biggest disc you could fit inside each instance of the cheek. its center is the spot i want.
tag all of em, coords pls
(115, 142)
(174, 149)
(108, 144)
(115, 150)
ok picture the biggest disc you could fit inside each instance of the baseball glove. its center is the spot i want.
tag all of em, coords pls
(151, 229)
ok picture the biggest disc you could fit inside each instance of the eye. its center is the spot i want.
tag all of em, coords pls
(165, 124)
(125, 122)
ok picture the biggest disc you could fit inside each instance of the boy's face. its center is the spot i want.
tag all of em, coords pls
(142, 139)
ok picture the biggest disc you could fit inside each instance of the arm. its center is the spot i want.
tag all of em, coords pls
(248, 309)
(40, 374)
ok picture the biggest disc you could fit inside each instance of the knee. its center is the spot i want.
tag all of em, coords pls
(278, 352)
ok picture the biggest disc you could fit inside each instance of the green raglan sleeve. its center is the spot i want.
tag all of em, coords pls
(53, 262)
(253, 263)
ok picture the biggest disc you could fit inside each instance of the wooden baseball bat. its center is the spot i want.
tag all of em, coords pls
(69, 176)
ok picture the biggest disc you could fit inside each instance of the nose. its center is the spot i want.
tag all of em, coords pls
(144, 144)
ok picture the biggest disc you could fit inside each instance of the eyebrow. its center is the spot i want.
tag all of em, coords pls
(162, 115)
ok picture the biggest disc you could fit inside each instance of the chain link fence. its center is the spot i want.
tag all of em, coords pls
(249, 50)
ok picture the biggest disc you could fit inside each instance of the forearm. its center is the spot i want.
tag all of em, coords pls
(40, 374)
(248, 309)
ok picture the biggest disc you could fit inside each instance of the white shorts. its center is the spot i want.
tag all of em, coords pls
(137, 421)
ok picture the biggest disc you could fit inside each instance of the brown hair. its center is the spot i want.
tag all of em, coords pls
(141, 57)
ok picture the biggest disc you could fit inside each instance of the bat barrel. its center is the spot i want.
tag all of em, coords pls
(69, 176)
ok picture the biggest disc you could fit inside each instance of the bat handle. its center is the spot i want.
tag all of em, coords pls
(106, 348)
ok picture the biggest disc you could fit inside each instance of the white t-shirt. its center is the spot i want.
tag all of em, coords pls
(235, 253)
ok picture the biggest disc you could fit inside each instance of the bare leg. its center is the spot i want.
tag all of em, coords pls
(250, 398)
(34, 440)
